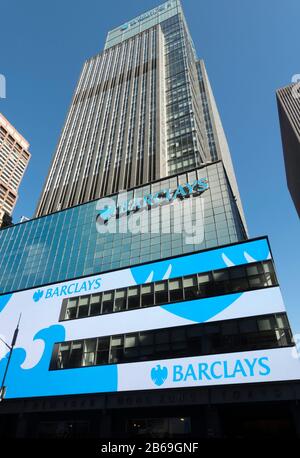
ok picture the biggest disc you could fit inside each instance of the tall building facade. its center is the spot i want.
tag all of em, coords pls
(14, 158)
(154, 313)
(288, 102)
(139, 113)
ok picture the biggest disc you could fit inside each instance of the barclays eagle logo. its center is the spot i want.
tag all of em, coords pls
(159, 375)
(37, 295)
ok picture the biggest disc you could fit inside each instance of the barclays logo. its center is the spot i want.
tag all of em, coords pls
(159, 375)
(82, 287)
(37, 295)
(240, 368)
(163, 196)
(124, 26)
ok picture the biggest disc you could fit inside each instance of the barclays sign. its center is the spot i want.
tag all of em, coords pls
(151, 200)
(147, 15)
(83, 287)
(215, 370)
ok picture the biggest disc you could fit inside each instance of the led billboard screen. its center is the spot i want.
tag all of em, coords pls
(44, 324)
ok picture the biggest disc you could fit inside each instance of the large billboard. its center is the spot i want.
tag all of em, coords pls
(41, 328)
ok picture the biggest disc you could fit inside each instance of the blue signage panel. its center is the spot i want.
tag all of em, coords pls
(41, 328)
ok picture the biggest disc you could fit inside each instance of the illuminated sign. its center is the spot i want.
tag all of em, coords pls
(224, 369)
(150, 200)
(41, 329)
(82, 287)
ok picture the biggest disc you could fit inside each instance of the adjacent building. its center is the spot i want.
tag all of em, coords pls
(146, 309)
(288, 101)
(14, 158)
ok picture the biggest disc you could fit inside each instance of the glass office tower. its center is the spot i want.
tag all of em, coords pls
(146, 310)
(140, 112)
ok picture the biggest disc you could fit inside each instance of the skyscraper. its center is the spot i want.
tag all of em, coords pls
(288, 102)
(143, 109)
(14, 158)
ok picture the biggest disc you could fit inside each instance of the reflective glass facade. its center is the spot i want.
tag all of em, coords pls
(138, 114)
(66, 244)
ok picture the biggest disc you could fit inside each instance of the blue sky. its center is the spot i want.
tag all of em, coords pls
(250, 48)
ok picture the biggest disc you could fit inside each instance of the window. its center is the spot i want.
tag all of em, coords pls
(116, 352)
(133, 297)
(71, 310)
(63, 355)
(161, 292)
(103, 350)
(89, 352)
(120, 300)
(83, 306)
(176, 290)
(190, 285)
(264, 324)
(76, 354)
(244, 334)
(107, 302)
(147, 295)
(95, 304)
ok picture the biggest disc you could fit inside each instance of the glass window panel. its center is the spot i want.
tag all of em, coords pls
(89, 352)
(95, 304)
(282, 321)
(83, 306)
(176, 290)
(83, 301)
(147, 299)
(229, 327)
(76, 354)
(146, 338)
(146, 289)
(204, 278)
(161, 292)
(120, 300)
(257, 281)
(220, 275)
(237, 272)
(117, 341)
(248, 325)
(107, 302)
(133, 297)
(161, 336)
(160, 286)
(177, 334)
(71, 310)
(102, 357)
(264, 324)
(174, 284)
(131, 340)
(63, 355)
(103, 343)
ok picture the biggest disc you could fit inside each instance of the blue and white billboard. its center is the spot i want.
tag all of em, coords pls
(41, 329)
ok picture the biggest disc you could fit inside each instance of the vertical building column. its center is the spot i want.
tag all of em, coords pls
(139, 75)
(122, 84)
(131, 74)
(160, 149)
(148, 109)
